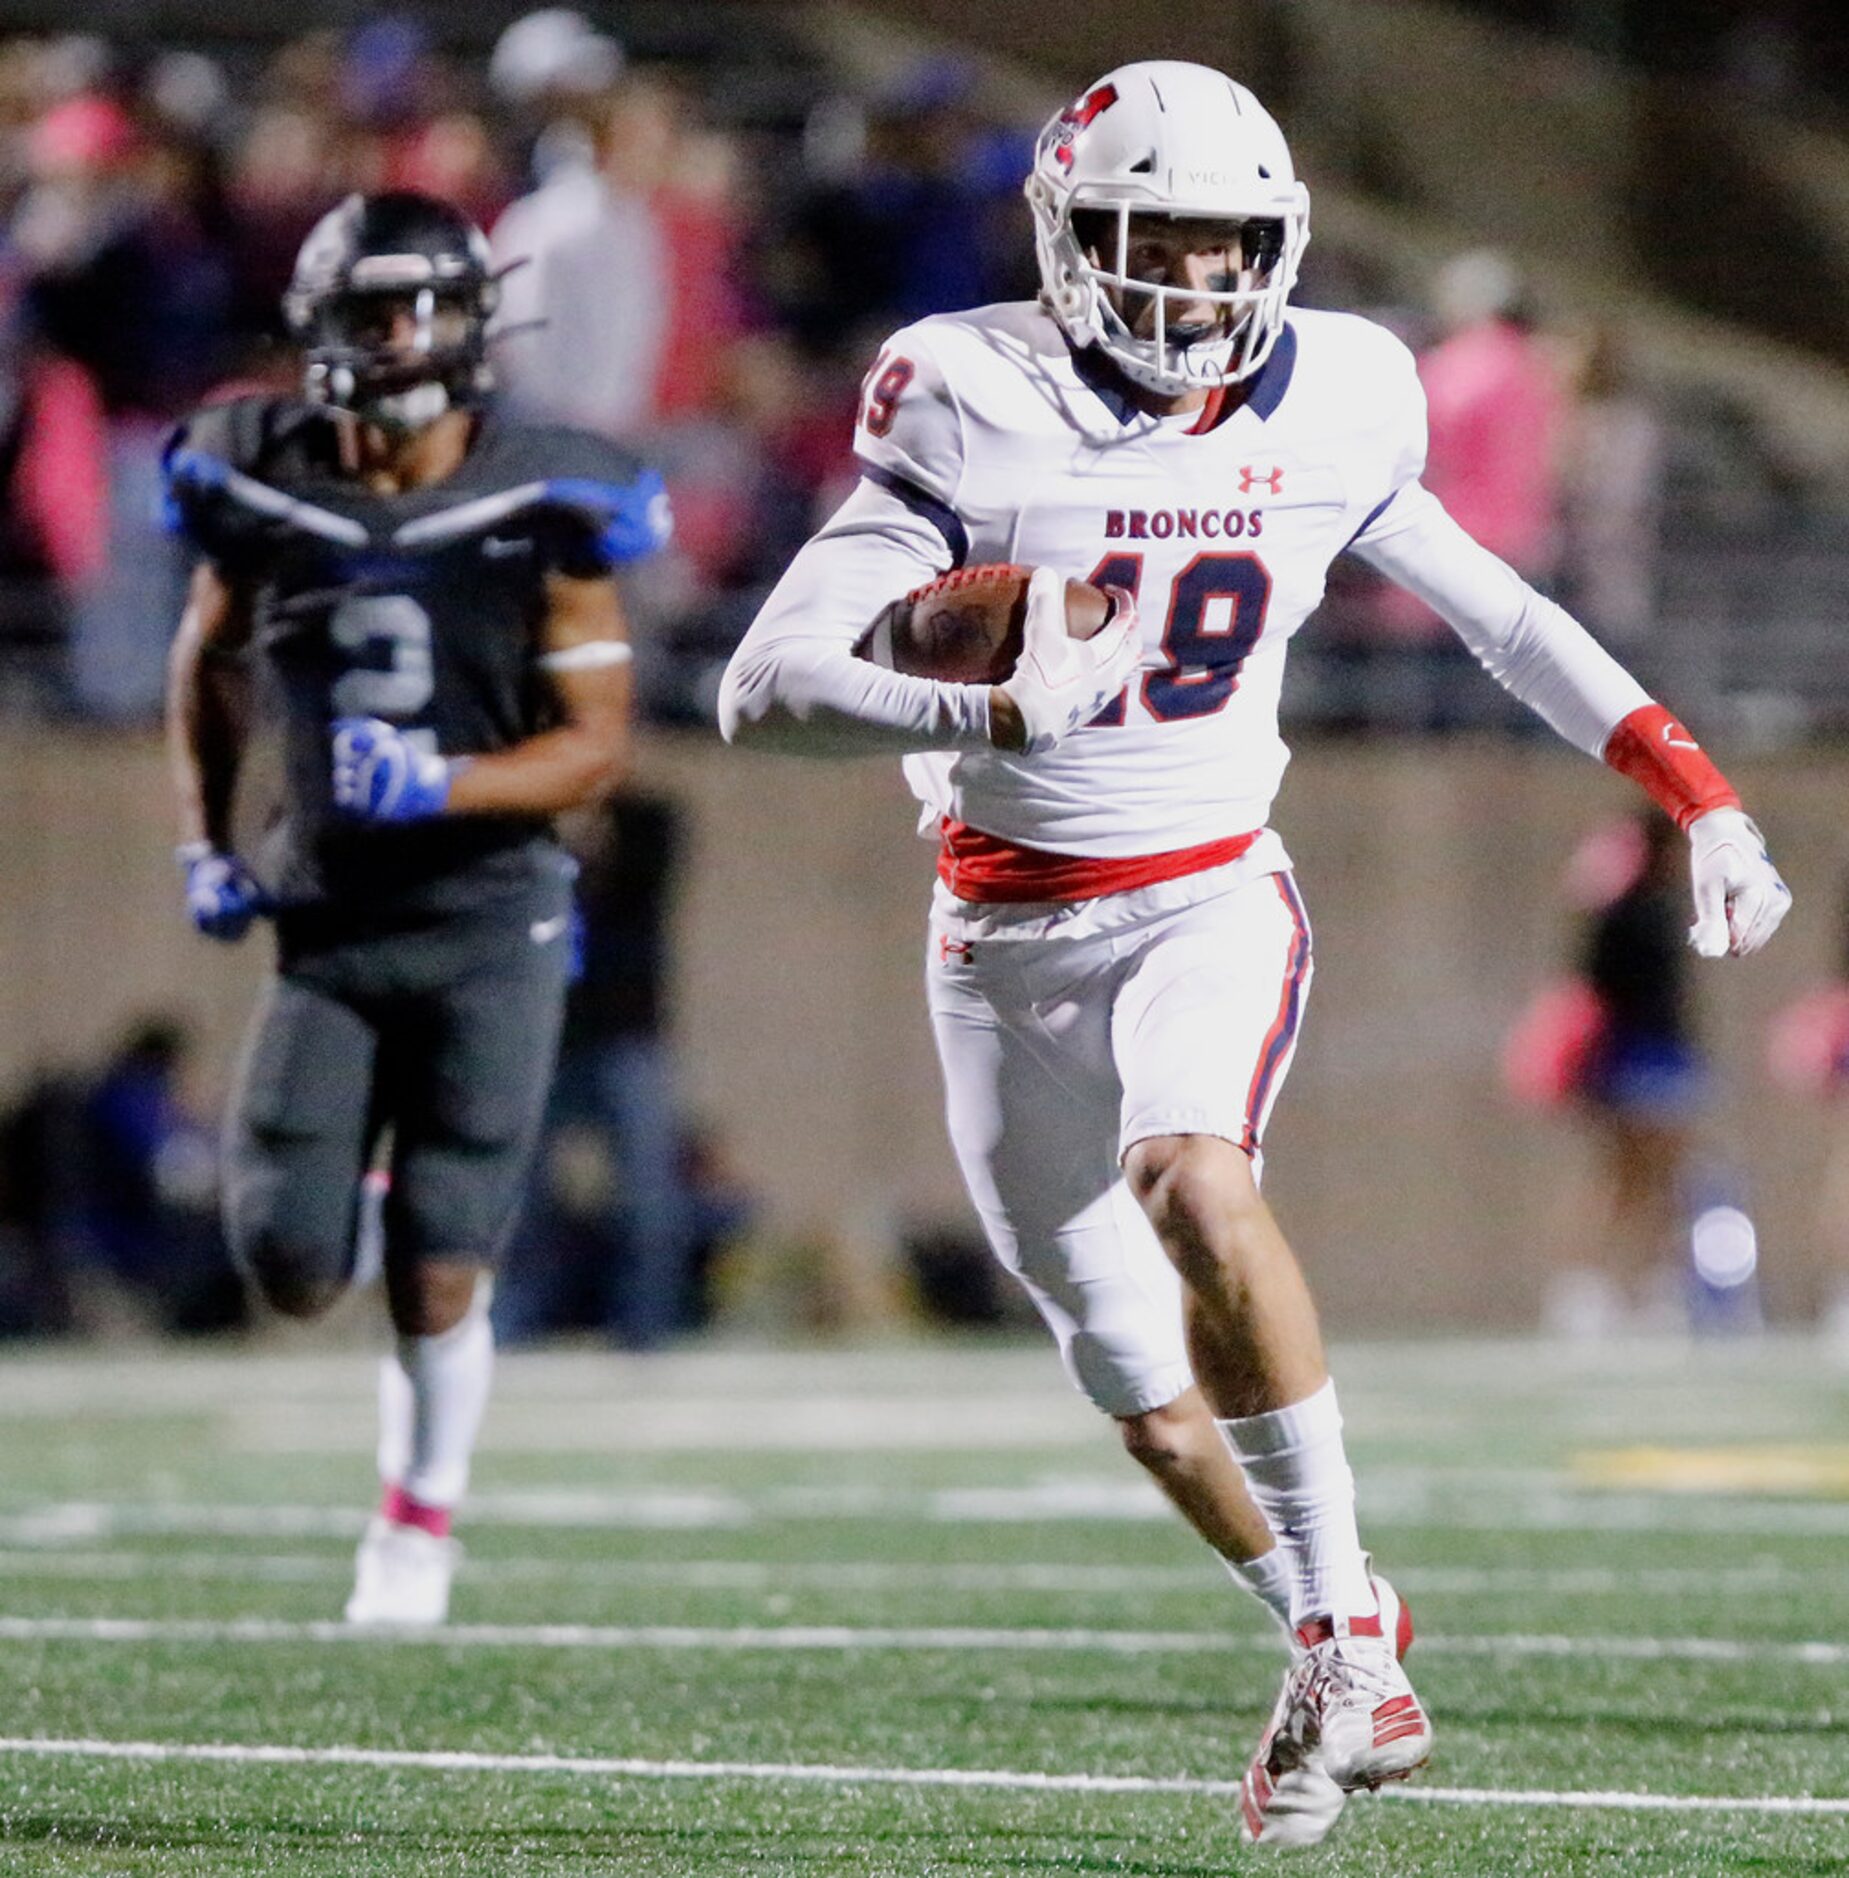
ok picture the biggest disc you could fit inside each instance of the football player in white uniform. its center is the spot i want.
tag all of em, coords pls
(1118, 956)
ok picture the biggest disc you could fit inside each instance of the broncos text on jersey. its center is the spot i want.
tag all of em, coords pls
(1222, 522)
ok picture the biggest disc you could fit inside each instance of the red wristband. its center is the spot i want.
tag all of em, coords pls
(1664, 761)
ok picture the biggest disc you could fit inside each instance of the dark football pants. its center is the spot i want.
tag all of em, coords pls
(447, 1034)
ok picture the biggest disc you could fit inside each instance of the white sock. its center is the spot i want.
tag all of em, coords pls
(1298, 1475)
(1269, 1579)
(432, 1395)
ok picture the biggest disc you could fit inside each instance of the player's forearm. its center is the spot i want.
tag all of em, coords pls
(794, 683)
(546, 775)
(206, 720)
(812, 697)
(1539, 652)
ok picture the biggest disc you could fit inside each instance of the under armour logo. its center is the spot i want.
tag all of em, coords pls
(958, 949)
(1074, 120)
(1250, 479)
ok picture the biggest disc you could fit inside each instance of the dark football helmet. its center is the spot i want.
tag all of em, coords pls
(391, 299)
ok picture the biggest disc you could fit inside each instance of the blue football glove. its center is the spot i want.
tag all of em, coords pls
(221, 894)
(380, 775)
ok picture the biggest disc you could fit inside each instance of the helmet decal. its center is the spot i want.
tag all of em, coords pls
(1075, 117)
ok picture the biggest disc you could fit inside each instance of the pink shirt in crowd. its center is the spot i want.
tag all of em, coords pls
(1496, 410)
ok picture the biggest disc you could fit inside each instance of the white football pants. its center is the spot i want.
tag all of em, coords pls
(1063, 1049)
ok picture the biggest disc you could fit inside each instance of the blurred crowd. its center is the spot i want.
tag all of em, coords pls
(659, 288)
(705, 288)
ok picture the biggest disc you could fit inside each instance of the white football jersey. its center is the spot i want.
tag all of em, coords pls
(1224, 534)
(984, 437)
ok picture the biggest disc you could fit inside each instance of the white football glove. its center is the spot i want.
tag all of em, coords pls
(1739, 898)
(1059, 682)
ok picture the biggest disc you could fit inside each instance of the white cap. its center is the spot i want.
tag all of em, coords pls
(553, 49)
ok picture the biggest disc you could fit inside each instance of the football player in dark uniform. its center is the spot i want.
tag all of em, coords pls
(413, 595)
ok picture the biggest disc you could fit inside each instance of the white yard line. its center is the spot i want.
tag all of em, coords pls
(727, 1423)
(127, 1564)
(612, 1768)
(1551, 1508)
(847, 1637)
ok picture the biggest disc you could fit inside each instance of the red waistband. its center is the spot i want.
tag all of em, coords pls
(986, 868)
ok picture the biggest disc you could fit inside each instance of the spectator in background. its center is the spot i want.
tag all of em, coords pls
(912, 205)
(108, 1183)
(283, 178)
(1495, 411)
(586, 300)
(150, 1192)
(400, 97)
(1645, 1082)
(454, 158)
(621, 1259)
(751, 475)
(41, 1184)
(128, 277)
(550, 70)
(1611, 497)
(931, 187)
(54, 500)
(696, 209)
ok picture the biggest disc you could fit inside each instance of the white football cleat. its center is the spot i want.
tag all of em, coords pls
(1289, 1797)
(402, 1575)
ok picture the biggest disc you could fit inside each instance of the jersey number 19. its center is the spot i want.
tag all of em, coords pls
(1206, 644)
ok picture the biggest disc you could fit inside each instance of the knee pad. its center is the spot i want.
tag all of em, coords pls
(298, 1272)
(294, 1278)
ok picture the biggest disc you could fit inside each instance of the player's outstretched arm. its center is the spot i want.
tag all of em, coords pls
(208, 716)
(381, 774)
(1540, 653)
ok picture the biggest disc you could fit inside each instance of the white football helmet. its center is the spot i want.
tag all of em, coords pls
(1166, 138)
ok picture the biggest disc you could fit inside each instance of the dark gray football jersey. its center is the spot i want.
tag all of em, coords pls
(423, 608)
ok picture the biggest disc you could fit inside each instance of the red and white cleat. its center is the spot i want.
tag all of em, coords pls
(1294, 1792)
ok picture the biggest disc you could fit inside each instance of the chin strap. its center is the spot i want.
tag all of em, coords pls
(1654, 750)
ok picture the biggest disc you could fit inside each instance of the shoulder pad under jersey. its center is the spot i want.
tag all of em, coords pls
(615, 503)
(215, 470)
(592, 505)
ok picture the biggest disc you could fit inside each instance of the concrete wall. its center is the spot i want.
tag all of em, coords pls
(1431, 874)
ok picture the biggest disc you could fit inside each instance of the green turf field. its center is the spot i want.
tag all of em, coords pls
(907, 1611)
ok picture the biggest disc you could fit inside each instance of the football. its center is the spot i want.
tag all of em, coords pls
(966, 627)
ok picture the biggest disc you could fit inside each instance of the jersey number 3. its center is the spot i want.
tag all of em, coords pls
(1216, 611)
(391, 632)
